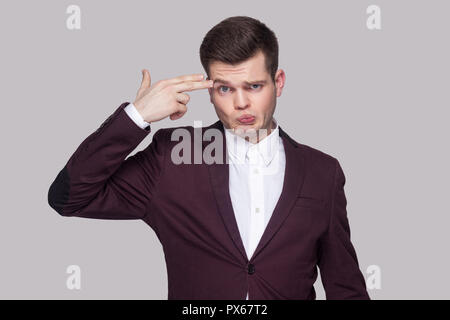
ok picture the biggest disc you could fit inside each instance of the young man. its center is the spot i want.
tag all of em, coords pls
(254, 226)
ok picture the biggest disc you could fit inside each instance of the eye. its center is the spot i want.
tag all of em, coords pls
(221, 91)
(252, 86)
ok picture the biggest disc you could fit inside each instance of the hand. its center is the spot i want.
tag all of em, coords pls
(166, 97)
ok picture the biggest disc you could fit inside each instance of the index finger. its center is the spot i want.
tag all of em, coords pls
(188, 77)
(193, 85)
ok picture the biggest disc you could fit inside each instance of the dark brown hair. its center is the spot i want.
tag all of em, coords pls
(237, 39)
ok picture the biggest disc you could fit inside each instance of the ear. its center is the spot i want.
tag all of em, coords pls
(280, 80)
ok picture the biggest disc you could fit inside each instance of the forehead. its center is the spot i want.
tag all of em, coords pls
(252, 69)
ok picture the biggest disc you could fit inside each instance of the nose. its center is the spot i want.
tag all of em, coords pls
(240, 100)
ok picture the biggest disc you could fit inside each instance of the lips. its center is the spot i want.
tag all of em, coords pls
(246, 119)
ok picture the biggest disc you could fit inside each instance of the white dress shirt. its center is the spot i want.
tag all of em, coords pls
(136, 116)
(256, 175)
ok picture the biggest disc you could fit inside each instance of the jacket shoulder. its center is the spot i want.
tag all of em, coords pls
(316, 154)
(167, 132)
(318, 159)
(310, 154)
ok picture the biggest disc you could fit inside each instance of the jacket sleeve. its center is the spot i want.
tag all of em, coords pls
(337, 261)
(99, 182)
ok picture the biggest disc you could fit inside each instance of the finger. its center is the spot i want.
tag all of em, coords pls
(177, 115)
(189, 77)
(193, 85)
(146, 80)
(183, 98)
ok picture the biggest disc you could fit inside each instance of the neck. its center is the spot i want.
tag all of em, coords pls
(263, 133)
(253, 136)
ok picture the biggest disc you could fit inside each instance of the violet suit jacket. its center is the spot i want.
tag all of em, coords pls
(189, 208)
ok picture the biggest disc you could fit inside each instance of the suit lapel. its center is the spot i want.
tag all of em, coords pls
(293, 180)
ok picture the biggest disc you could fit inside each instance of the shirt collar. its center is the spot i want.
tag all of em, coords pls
(238, 148)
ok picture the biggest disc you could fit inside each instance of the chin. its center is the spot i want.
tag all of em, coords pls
(241, 126)
(246, 131)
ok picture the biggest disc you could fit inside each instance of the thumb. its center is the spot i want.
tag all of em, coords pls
(146, 79)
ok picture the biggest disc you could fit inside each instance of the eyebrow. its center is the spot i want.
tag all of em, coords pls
(246, 82)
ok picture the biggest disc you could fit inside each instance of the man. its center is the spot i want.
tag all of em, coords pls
(254, 225)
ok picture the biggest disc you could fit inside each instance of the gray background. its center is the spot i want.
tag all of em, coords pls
(376, 100)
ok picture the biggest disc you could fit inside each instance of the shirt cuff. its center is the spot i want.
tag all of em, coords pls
(136, 116)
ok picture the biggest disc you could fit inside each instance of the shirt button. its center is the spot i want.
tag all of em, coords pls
(251, 269)
(257, 210)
